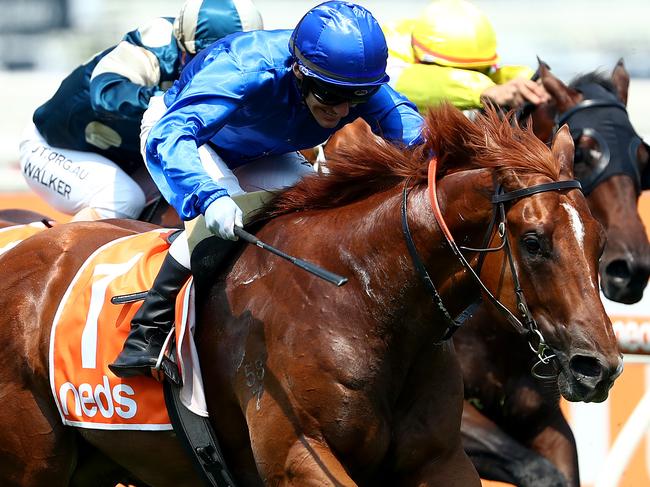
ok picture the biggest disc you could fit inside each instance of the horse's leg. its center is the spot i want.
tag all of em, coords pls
(312, 464)
(35, 448)
(286, 458)
(498, 456)
(427, 448)
(557, 443)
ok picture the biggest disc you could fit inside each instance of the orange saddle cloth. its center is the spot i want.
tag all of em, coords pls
(88, 333)
(12, 236)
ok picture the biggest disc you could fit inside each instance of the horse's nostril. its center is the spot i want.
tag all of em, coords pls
(585, 366)
(618, 269)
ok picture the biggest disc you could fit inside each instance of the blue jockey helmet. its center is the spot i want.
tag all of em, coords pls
(201, 22)
(340, 43)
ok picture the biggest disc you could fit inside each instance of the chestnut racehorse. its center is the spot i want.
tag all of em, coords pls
(513, 427)
(520, 435)
(359, 386)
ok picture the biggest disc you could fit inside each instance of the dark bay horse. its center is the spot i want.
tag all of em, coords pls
(157, 212)
(16, 216)
(352, 385)
(612, 165)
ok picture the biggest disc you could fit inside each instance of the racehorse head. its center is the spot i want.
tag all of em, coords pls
(550, 249)
(611, 162)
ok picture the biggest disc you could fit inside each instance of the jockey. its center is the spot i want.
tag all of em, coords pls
(234, 121)
(82, 152)
(449, 53)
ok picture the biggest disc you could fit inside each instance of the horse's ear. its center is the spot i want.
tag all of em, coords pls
(621, 80)
(542, 65)
(564, 96)
(563, 150)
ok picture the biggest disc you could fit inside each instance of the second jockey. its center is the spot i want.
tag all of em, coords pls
(82, 152)
(449, 53)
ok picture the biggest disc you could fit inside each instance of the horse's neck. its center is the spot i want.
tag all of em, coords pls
(466, 209)
(376, 251)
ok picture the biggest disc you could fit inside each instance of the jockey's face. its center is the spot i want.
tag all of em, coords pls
(327, 116)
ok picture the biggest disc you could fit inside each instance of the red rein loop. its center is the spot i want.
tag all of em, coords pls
(433, 198)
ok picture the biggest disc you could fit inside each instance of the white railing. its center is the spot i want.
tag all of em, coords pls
(628, 440)
(632, 328)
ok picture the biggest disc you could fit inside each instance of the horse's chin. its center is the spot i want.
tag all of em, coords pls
(574, 391)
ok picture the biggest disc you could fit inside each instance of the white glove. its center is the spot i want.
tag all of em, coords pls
(222, 215)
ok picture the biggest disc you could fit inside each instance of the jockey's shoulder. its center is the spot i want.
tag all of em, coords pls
(153, 34)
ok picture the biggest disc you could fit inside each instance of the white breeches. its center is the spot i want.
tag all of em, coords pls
(267, 173)
(71, 180)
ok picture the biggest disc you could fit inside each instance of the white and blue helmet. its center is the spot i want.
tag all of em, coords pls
(201, 22)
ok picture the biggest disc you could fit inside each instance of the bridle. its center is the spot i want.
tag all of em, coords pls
(609, 128)
(601, 127)
(525, 323)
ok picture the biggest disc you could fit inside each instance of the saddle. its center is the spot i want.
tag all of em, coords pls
(88, 331)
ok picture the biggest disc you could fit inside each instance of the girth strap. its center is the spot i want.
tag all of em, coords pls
(198, 438)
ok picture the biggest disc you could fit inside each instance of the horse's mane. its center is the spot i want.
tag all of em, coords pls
(594, 77)
(371, 165)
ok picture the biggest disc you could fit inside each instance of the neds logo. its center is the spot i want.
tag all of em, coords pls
(108, 402)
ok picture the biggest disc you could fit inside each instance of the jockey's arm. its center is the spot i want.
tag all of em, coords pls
(428, 85)
(392, 116)
(513, 87)
(192, 118)
(130, 74)
(123, 82)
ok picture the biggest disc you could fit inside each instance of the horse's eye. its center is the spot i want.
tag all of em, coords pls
(531, 244)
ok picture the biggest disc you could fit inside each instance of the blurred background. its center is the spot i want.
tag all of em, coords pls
(43, 40)
(572, 35)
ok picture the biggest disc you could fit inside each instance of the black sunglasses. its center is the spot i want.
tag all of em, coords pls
(335, 95)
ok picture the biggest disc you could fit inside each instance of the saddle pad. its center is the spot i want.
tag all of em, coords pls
(12, 236)
(88, 333)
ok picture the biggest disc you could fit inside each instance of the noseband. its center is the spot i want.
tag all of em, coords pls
(525, 323)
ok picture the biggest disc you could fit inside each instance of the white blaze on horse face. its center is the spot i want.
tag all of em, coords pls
(576, 224)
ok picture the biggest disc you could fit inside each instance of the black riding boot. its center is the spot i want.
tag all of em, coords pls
(152, 322)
